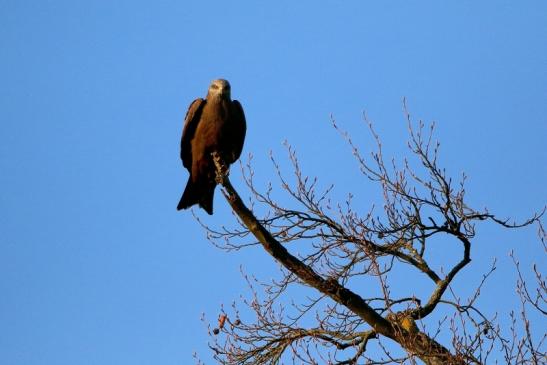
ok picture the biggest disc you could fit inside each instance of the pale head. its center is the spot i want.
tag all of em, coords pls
(219, 88)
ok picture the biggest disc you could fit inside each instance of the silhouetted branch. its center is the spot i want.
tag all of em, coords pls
(419, 344)
(340, 249)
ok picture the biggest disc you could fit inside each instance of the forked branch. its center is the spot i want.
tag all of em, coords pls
(417, 343)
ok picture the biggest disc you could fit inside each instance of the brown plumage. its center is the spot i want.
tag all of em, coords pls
(216, 124)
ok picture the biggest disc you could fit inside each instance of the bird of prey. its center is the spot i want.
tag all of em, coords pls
(214, 124)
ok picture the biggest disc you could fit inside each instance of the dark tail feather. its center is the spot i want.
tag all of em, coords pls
(206, 198)
(195, 193)
(189, 197)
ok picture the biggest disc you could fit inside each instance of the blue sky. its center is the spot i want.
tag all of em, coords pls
(97, 266)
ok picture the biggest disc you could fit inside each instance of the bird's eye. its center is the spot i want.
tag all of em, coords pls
(214, 86)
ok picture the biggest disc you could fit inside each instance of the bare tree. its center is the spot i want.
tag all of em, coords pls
(347, 261)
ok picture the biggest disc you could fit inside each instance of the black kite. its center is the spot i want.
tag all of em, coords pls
(216, 124)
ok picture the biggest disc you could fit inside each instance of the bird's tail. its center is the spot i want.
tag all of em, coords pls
(196, 193)
(206, 198)
(189, 197)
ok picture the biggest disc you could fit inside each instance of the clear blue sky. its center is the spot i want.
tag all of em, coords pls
(97, 266)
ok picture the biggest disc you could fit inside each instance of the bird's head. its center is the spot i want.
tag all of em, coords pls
(219, 88)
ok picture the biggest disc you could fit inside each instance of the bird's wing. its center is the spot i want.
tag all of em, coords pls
(240, 126)
(191, 121)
